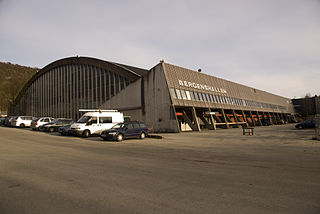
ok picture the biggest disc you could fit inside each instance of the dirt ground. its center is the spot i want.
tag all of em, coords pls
(276, 170)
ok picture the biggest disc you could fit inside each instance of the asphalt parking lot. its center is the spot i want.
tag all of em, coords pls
(277, 170)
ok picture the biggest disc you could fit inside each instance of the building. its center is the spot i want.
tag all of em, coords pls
(167, 98)
(307, 107)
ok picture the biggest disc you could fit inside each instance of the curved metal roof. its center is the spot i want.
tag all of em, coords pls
(129, 72)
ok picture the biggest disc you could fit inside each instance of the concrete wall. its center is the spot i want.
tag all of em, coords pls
(127, 101)
(158, 105)
(150, 103)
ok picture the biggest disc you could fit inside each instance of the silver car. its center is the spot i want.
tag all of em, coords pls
(35, 124)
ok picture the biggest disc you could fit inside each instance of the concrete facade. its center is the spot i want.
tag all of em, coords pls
(167, 98)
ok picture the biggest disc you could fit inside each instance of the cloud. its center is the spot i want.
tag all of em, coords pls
(237, 40)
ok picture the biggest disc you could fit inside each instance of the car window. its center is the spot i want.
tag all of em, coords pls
(46, 120)
(105, 120)
(94, 120)
(136, 125)
(142, 125)
(130, 126)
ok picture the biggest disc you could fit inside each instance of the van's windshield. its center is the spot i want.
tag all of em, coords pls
(84, 119)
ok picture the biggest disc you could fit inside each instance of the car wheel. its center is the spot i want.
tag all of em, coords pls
(22, 125)
(142, 135)
(119, 137)
(86, 133)
(51, 129)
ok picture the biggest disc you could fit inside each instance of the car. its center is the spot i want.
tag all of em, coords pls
(266, 122)
(55, 125)
(2, 120)
(65, 130)
(311, 123)
(35, 124)
(120, 131)
(22, 121)
(8, 120)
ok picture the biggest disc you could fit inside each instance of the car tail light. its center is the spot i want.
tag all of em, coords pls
(37, 123)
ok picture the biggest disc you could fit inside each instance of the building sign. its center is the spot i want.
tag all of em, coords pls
(201, 86)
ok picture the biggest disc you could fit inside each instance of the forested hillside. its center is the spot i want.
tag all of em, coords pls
(12, 79)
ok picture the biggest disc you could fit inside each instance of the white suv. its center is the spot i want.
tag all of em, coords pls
(22, 121)
(35, 124)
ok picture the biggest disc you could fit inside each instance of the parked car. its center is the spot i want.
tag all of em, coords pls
(2, 120)
(55, 125)
(266, 122)
(35, 124)
(306, 124)
(8, 120)
(120, 131)
(22, 121)
(65, 130)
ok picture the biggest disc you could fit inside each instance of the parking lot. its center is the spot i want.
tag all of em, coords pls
(277, 170)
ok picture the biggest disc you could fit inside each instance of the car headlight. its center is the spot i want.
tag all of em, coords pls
(112, 133)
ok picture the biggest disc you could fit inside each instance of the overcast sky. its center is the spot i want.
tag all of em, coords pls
(272, 45)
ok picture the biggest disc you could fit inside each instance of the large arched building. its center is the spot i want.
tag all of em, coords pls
(167, 97)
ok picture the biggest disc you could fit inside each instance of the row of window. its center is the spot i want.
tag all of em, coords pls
(206, 97)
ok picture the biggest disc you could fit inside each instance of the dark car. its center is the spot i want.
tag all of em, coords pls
(2, 120)
(120, 131)
(65, 130)
(266, 122)
(307, 124)
(8, 120)
(55, 125)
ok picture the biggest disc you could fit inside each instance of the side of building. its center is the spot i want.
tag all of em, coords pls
(167, 98)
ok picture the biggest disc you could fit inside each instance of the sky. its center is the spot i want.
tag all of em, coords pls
(271, 45)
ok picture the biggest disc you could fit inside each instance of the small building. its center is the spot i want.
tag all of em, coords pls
(307, 107)
(167, 98)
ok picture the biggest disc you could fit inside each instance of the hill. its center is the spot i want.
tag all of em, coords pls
(13, 78)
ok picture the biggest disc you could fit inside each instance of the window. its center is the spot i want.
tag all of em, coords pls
(200, 96)
(188, 95)
(209, 97)
(173, 93)
(227, 100)
(93, 120)
(121, 82)
(192, 95)
(105, 120)
(178, 94)
(213, 98)
(223, 99)
(130, 126)
(196, 96)
(117, 83)
(204, 97)
(136, 125)
(112, 84)
(183, 93)
(142, 125)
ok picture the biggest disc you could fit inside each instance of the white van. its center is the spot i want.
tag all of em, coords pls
(95, 121)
